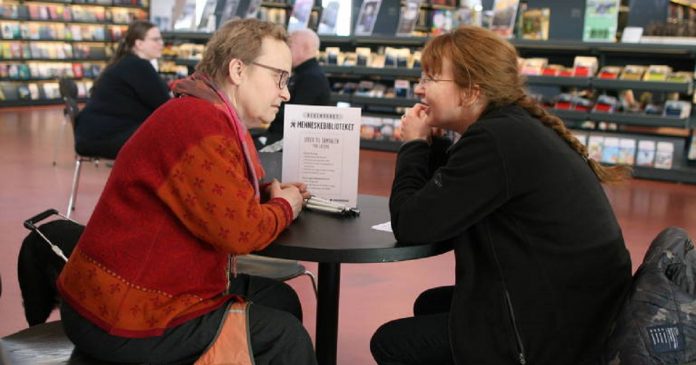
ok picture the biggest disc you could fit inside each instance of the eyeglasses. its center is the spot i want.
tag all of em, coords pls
(284, 75)
(424, 80)
(155, 39)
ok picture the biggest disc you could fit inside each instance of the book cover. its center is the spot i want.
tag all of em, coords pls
(253, 9)
(601, 20)
(664, 155)
(184, 15)
(207, 20)
(504, 14)
(646, 153)
(408, 17)
(535, 24)
(329, 17)
(627, 151)
(300, 14)
(610, 152)
(595, 145)
(441, 22)
(367, 17)
(229, 10)
(691, 150)
(469, 13)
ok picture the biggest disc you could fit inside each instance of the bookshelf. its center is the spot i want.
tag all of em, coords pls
(388, 107)
(629, 125)
(42, 41)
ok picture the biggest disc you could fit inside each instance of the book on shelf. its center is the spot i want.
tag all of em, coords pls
(408, 17)
(677, 108)
(363, 56)
(402, 88)
(691, 149)
(657, 73)
(252, 9)
(609, 72)
(680, 77)
(229, 10)
(469, 13)
(207, 20)
(441, 21)
(535, 23)
(610, 150)
(184, 15)
(627, 151)
(367, 16)
(664, 155)
(601, 20)
(585, 66)
(633, 72)
(504, 15)
(299, 18)
(329, 16)
(646, 153)
(534, 66)
(595, 144)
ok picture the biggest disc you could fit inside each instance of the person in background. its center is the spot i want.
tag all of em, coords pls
(127, 91)
(541, 264)
(153, 278)
(308, 84)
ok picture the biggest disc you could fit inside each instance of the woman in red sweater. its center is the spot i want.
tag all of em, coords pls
(153, 277)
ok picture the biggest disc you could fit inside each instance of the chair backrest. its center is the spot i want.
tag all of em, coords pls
(68, 91)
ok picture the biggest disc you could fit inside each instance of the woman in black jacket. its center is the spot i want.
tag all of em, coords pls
(541, 265)
(125, 94)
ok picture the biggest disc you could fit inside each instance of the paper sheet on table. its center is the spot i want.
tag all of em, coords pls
(386, 227)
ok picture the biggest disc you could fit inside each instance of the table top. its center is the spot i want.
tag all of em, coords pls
(324, 237)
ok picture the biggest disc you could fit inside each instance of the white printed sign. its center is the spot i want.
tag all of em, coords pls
(321, 147)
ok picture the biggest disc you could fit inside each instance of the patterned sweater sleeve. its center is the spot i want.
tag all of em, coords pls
(209, 192)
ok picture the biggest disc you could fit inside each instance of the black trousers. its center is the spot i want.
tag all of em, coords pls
(419, 340)
(277, 334)
(104, 147)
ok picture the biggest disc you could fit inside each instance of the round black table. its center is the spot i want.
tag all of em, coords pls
(332, 240)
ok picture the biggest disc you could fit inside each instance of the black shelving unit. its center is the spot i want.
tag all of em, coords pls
(681, 58)
(24, 15)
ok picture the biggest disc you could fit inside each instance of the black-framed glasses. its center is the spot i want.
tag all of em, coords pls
(284, 75)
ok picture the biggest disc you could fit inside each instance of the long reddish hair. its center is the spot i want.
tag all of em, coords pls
(481, 57)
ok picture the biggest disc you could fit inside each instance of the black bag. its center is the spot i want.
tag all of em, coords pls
(657, 324)
(40, 263)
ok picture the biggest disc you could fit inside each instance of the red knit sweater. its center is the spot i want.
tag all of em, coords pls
(179, 201)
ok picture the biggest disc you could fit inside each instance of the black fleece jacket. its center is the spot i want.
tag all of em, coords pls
(541, 265)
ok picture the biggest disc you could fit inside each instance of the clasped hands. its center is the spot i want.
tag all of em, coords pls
(294, 193)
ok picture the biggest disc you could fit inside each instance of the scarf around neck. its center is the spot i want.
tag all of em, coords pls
(201, 86)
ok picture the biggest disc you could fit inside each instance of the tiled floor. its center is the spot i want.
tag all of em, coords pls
(370, 293)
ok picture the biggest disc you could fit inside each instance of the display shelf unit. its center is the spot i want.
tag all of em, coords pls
(680, 58)
(31, 27)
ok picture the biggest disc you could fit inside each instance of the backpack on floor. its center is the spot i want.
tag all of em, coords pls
(657, 324)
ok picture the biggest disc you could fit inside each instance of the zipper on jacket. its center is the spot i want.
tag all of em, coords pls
(521, 357)
(520, 346)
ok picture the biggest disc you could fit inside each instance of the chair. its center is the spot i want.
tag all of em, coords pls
(278, 269)
(45, 344)
(68, 91)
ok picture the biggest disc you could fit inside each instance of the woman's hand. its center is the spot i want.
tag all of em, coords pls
(413, 124)
(290, 193)
(302, 187)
